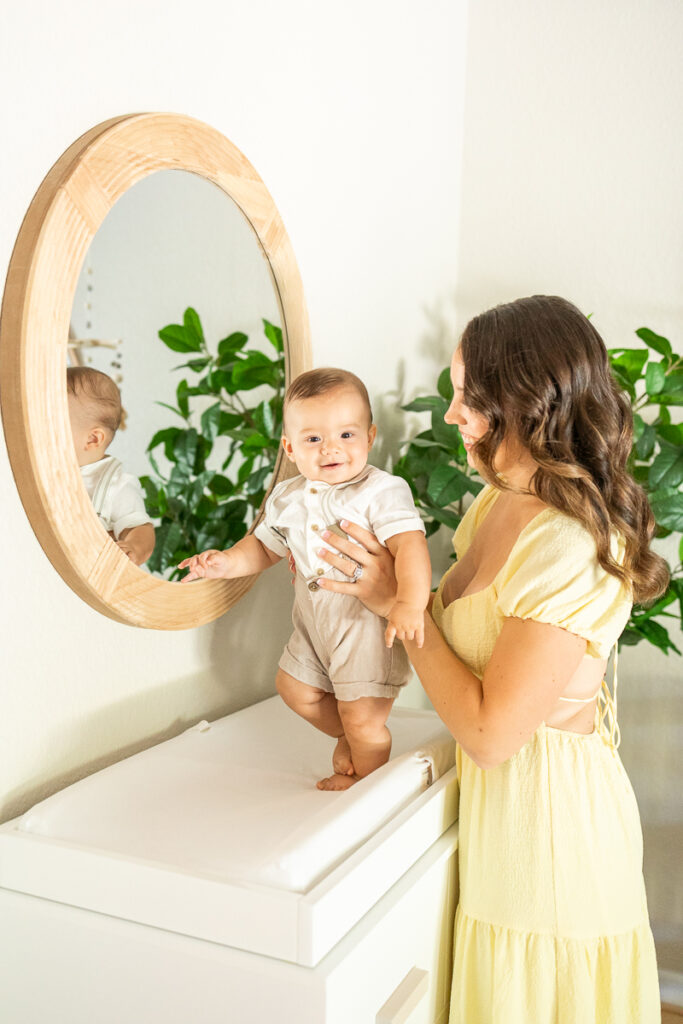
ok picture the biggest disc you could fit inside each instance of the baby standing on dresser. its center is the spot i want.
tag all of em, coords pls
(340, 670)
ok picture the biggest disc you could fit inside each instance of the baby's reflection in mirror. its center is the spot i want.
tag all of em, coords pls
(95, 414)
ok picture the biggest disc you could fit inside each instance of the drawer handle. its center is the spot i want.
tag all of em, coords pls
(403, 1000)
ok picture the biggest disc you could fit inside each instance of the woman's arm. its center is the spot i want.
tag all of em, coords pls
(492, 719)
(530, 667)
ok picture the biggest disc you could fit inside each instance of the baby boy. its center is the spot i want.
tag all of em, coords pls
(337, 670)
(95, 415)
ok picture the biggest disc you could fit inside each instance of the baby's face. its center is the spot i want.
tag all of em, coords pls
(90, 439)
(329, 437)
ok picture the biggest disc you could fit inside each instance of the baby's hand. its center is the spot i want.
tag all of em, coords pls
(208, 565)
(405, 622)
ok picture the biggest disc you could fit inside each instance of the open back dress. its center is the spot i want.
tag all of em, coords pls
(552, 924)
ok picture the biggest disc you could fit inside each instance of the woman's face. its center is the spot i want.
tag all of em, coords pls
(472, 425)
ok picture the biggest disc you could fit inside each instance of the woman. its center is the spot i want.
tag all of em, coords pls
(552, 923)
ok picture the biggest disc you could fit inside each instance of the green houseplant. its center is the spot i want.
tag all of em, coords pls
(222, 457)
(435, 465)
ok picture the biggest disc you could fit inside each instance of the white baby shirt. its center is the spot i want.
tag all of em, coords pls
(116, 496)
(299, 510)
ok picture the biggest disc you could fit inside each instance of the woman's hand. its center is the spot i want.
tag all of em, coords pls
(376, 587)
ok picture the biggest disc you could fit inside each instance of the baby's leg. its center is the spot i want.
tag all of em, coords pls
(320, 709)
(364, 724)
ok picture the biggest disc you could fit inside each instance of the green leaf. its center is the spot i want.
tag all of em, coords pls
(257, 442)
(181, 395)
(228, 421)
(227, 347)
(638, 427)
(245, 469)
(196, 365)
(264, 419)
(630, 637)
(447, 484)
(168, 538)
(210, 421)
(167, 438)
(657, 635)
(172, 408)
(655, 378)
(185, 448)
(444, 385)
(425, 403)
(622, 380)
(641, 614)
(221, 485)
(193, 328)
(670, 398)
(630, 362)
(274, 335)
(655, 341)
(444, 516)
(233, 510)
(672, 433)
(204, 448)
(645, 444)
(174, 337)
(667, 468)
(256, 481)
(253, 371)
(677, 587)
(667, 506)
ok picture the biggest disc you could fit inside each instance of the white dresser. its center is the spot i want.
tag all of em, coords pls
(207, 880)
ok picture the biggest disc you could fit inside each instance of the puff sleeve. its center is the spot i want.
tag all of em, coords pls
(553, 576)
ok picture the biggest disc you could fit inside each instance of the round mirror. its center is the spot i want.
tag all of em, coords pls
(153, 254)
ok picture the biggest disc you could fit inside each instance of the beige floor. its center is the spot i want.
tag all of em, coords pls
(671, 1015)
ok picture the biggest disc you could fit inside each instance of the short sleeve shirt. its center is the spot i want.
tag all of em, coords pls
(120, 505)
(299, 510)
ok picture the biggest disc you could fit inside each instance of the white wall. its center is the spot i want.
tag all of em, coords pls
(571, 185)
(352, 115)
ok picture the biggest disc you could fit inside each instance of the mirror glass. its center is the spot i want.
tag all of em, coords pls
(176, 255)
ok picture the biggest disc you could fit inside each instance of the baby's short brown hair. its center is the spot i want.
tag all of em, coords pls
(318, 382)
(98, 392)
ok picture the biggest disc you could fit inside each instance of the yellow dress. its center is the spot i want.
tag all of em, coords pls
(552, 924)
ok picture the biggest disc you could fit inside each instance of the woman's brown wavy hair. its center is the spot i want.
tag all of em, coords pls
(538, 371)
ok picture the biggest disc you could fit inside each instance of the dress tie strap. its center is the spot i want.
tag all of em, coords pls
(606, 713)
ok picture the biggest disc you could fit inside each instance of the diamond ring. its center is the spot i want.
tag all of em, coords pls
(357, 573)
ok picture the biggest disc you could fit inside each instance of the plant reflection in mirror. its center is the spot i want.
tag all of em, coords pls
(198, 505)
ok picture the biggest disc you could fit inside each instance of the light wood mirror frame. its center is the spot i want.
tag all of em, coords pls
(68, 208)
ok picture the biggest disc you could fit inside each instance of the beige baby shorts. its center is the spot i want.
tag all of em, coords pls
(338, 646)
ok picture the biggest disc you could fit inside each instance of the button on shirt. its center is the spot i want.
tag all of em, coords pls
(299, 510)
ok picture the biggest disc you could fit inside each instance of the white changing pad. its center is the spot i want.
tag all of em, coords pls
(235, 800)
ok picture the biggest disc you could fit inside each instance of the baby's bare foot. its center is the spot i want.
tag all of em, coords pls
(337, 782)
(341, 759)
